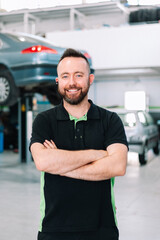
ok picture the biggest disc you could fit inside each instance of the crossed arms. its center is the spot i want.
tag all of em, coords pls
(92, 165)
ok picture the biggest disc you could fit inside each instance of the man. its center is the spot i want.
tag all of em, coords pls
(79, 148)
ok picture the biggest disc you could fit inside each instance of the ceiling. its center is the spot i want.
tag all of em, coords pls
(63, 11)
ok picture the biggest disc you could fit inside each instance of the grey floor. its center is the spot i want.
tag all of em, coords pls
(137, 199)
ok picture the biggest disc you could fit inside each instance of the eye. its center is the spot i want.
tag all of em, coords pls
(65, 76)
(78, 75)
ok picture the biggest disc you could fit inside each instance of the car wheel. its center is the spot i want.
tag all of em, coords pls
(8, 91)
(143, 156)
(156, 149)
(54, 99)
(52, 94)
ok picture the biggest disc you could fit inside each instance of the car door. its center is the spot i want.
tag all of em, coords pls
(144, 127)
(152, 130)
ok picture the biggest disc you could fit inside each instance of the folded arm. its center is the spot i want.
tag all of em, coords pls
(49, 159)
(114, 164)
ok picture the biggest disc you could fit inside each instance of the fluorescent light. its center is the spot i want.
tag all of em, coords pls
(135, 100)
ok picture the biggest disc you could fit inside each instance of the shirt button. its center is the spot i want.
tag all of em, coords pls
(75, 137)
(78, 130)
(81, 136)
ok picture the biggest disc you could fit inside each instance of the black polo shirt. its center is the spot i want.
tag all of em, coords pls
(68, 204)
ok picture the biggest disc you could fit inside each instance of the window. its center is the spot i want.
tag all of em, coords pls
(21, 38)
(142, 118)
(128, 119)
(149, 119)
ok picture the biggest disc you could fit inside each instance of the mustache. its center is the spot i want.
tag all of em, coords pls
(72, 87)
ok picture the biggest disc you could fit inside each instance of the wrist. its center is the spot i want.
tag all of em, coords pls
(100, 154)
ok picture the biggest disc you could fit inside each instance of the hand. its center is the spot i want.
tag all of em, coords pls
(49, 144)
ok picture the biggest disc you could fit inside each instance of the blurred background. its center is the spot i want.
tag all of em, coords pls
(121, 40)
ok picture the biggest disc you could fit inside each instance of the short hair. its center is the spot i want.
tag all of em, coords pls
(70, 52)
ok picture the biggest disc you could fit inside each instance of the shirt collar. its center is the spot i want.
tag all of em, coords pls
(62, 113)
(93, 112)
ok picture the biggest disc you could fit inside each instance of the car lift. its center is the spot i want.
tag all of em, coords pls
(25, 117)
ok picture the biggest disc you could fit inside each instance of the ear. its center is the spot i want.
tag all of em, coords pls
(91, 78)
(57, 80)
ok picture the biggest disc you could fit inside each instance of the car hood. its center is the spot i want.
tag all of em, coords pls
(130, 131)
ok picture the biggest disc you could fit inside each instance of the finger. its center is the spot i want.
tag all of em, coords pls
(46, 145)
(50, 145)
(53, 144)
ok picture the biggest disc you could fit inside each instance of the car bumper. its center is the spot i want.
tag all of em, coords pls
(34, 75)
(136, 147)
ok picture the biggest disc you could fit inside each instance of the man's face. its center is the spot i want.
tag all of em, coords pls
(73, 79)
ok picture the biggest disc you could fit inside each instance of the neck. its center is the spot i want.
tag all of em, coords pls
(78, 110)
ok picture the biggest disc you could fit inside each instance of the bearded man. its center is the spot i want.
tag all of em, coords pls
(79, 148)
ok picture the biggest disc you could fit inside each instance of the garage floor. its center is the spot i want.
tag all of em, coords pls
(137, 199)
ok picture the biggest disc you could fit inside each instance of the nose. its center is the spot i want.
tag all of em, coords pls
(72, 80)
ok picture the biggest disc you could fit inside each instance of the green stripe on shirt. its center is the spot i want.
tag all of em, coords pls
(113, 200)
(42, 202)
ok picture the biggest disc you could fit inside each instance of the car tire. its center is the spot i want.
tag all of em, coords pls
(54, 99)
(143, 156)
(52, 94)
(8, 91)
(156, 149)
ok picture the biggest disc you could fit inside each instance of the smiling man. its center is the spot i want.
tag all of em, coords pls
(79, 149)
(72, 86)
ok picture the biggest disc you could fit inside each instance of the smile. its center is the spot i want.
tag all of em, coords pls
(73, 90)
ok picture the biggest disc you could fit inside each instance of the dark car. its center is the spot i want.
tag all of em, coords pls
(28, 65)
(142, 133)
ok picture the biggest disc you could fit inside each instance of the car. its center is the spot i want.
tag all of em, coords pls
(28, 65)
(142, 134)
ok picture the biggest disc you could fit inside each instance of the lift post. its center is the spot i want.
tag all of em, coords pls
(25, 127)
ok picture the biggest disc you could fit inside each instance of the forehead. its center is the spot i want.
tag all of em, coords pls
(72, 64)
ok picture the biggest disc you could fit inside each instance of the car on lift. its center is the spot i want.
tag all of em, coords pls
(28, 65)
(142, 133)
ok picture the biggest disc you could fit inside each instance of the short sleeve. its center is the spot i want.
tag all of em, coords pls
(40, 130)
(115, 132)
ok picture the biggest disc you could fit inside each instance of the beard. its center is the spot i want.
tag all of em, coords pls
(74, 100)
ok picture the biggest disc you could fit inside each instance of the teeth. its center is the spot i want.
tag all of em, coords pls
(72, 90)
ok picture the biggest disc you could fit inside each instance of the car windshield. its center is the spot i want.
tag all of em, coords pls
(24, 38)
(128, 119)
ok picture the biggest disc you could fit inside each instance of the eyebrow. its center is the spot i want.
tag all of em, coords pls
(79, 72)
(74, 73)
(64, 73)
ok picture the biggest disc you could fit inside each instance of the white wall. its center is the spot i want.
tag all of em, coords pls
(116, 47)
(109, 93)
(119, 47)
